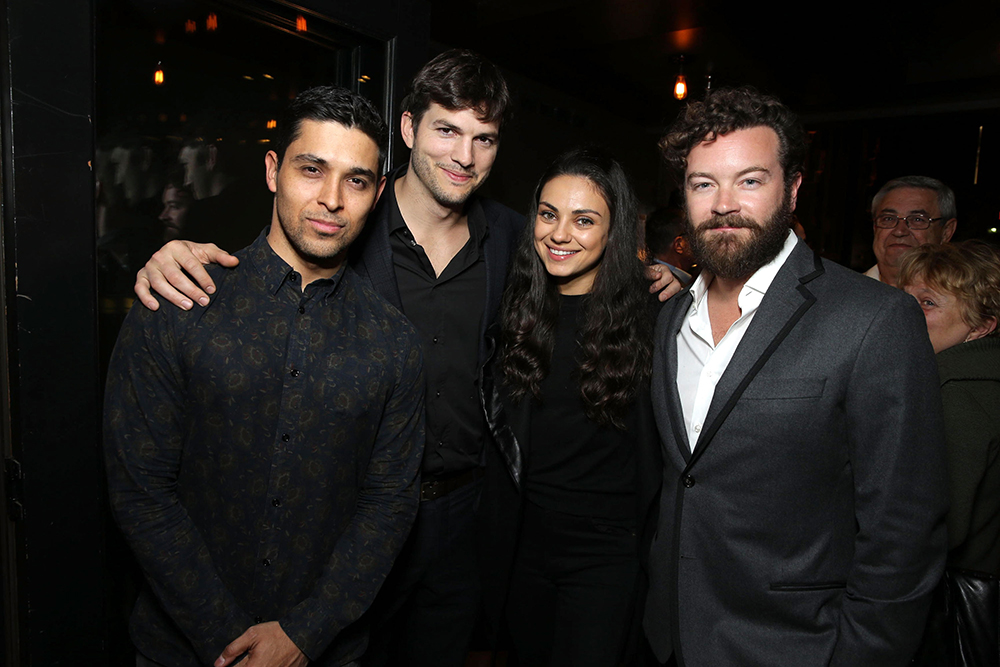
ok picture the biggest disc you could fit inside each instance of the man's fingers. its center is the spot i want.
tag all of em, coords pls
(163, 283)
(209, 253)
(238, 647)
(192, 267)
(141, 288)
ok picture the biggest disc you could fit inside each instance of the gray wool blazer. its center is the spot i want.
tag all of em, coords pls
(807, 527)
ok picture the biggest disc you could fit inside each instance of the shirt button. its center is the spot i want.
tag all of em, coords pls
(285, 437)
(276, 502)
(437, 394)
(435, 339)
(697, 428)
(295, 372)
(258, 619)
(689, 481)
(266, 562)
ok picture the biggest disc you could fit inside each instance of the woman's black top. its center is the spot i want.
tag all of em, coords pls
(575, 465)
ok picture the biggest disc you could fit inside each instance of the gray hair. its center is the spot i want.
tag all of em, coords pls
(945, 196)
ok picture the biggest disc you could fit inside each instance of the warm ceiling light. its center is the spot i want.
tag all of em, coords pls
(271, 124)
(267, 76)
(190, 26)
(158, 77)
(300, 23)
(680, 83)
(212, 22)
(680, 87)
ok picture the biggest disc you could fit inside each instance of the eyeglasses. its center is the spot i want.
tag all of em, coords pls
(888, 221)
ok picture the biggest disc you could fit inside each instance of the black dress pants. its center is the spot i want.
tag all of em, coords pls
(572, 590)
(427, 610)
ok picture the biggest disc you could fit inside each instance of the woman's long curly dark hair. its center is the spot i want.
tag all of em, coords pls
(616, 340)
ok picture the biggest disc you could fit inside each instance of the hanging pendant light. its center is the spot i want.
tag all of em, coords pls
(680, 83)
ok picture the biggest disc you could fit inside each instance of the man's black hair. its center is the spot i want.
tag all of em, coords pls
(331, 103)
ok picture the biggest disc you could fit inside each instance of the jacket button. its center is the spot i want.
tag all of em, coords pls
(258, 619)
(266, 562)
(688, 481)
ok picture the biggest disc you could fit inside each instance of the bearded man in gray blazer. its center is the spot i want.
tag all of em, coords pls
(801, 518)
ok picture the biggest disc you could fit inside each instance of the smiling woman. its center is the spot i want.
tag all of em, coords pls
(571, 480)
(571, 232)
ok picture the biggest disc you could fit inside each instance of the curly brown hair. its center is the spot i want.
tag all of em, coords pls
(729, 109)
(969, 271)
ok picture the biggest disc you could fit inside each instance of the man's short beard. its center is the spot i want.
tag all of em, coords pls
(424, 170)
(730, 257)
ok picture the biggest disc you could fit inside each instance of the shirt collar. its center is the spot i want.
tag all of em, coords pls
(764, 276)
(274, 271)
(759, 281)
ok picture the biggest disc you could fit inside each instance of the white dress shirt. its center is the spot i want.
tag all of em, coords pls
(700, 362)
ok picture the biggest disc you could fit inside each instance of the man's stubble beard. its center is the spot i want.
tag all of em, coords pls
(732, 258)
(317, 252)
(424, 169)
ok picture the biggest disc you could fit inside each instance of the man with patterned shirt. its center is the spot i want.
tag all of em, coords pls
(263, 453)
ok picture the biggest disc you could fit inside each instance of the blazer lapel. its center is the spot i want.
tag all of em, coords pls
(786, 301)
(373, 252)
(666, 392)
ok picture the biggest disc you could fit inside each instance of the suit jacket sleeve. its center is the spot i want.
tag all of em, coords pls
(896, 449)
(143, 434)
(386, 508)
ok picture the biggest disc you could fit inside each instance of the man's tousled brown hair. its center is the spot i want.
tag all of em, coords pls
(729, 109)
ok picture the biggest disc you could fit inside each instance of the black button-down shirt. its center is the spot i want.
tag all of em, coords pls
(447, 311)
(263, 458)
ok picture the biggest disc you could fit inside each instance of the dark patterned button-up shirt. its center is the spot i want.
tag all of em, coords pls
(263, 458)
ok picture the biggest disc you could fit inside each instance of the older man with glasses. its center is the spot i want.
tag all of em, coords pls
(909, 212)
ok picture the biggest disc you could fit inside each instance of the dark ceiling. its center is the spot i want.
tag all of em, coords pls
(828, 61)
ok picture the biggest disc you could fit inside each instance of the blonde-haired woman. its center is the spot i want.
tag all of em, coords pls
(958, 287)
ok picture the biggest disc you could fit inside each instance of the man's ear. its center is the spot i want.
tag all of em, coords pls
(948, 230)
(680, 245)
(407, 129)
(271, 170)
(378, 193)
(794, 191)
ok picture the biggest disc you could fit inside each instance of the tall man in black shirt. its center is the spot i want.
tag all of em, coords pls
(263, 452)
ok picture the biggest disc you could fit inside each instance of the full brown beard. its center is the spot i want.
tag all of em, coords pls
(733, 258)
